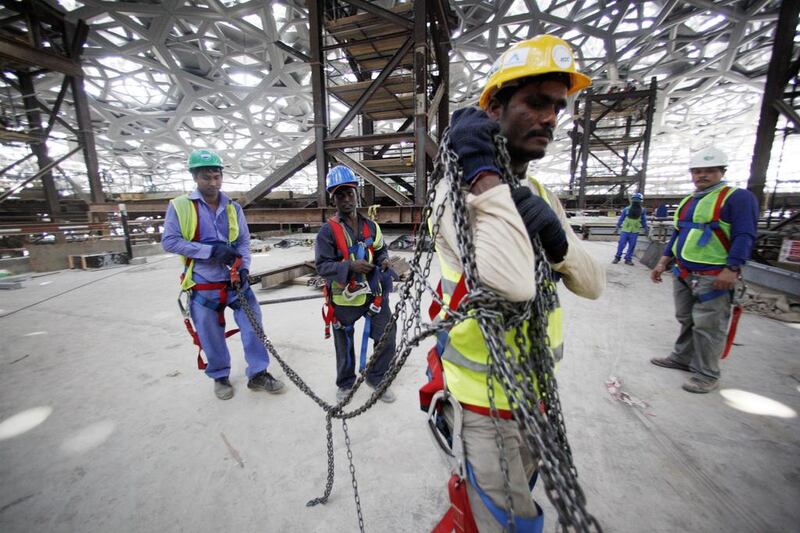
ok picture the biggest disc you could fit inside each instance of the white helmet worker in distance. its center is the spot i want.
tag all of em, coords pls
(708, 167)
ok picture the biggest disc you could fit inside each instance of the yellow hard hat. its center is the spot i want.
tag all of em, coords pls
(542, 54)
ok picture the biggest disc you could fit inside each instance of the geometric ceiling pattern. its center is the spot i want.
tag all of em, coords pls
(164, 78)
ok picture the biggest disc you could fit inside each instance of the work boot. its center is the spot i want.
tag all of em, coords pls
(629, 261)
(615, 261)
(669, 362)
(387, 396)
(341, 394)
(700, 386)
(223, 388)
(264, 381)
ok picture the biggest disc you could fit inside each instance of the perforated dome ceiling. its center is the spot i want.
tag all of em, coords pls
(163, 78)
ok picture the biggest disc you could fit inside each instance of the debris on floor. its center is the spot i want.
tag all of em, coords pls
(771, 305)
(258, 246)
(400, 267)
(288, 243)
(408, 243)
(614, 386)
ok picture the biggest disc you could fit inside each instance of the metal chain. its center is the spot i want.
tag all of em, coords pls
(527, 365)
(524, 370)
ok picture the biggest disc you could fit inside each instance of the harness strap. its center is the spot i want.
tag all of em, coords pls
(458, 517)
(737, 314)
(458, 294)
(523, 525)
(723, 195)
(682, 273)
(711, 227)
(712, 295)
(365, 342)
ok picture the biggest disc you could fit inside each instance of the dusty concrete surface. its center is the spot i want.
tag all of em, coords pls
(106, 425)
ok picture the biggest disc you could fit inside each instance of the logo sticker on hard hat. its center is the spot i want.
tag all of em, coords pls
(516, 58)
(495, 67)
(562, 57)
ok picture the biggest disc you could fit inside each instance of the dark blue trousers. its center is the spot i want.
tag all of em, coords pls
(348, 350)
(627, 238)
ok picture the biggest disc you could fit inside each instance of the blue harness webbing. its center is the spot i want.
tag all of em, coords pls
(523, 525)
(708, 229)
(706, 296)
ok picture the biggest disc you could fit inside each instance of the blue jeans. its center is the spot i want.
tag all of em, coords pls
(627, 238)
(212, 334)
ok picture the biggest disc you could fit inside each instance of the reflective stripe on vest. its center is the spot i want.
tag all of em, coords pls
(707, 239)
(347, 249)
(188, 216)
(465, 356)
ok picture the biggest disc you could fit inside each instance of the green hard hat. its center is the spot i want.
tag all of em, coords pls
(204, 158)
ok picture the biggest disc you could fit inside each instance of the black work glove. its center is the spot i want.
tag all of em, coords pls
(540, 219)
(244, 280)
(224, 253)
(472, 138)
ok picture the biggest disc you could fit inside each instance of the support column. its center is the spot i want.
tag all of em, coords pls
(773, 92)
(648, 130)
(319, 96)
(368, 128)
(420, 100)
(77, 37)
(587, 136)
(39, 148)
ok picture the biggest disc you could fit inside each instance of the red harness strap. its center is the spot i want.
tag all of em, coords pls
(737, 314)
(458, 517)
(341, 244)
(723, 195)
(715, 217)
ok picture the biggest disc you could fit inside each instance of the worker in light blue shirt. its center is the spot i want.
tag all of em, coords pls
(631, 220)
(210, 232)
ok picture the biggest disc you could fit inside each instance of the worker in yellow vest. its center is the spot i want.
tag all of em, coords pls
(526, 91)
(351, 255)
(209, 231)
(715, 229)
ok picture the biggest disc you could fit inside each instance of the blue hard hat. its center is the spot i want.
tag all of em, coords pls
(340, 175)
(637, 197)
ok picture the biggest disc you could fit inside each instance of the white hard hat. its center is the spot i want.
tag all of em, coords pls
(709, 157)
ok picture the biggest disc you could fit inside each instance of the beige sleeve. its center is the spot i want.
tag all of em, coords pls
(581, 272)
(503, 252)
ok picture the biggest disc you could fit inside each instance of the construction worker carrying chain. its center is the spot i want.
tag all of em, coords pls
(526, 91)
(715, 229)
(351, 255)
(210, 232)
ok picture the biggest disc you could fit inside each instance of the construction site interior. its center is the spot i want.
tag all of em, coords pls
(106, 424)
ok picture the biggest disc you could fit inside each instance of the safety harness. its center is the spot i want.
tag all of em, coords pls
(682, 273)
(432, 395)
(711, 227)
(190, 294)
(358, 251)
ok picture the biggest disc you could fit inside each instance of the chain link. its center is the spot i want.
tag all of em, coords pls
(522, 369)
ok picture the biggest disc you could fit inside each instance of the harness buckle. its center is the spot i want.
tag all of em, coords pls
(184, 307)
(356, 289)
(453, 450)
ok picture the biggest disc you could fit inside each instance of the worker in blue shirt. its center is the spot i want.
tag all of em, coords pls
(631, 220)
(715, 228)
(210, 232)
(354, 260)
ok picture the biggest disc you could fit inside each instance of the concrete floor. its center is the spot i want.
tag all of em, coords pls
(106, 425)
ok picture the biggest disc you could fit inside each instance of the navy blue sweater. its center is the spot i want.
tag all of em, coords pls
(741, 212)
